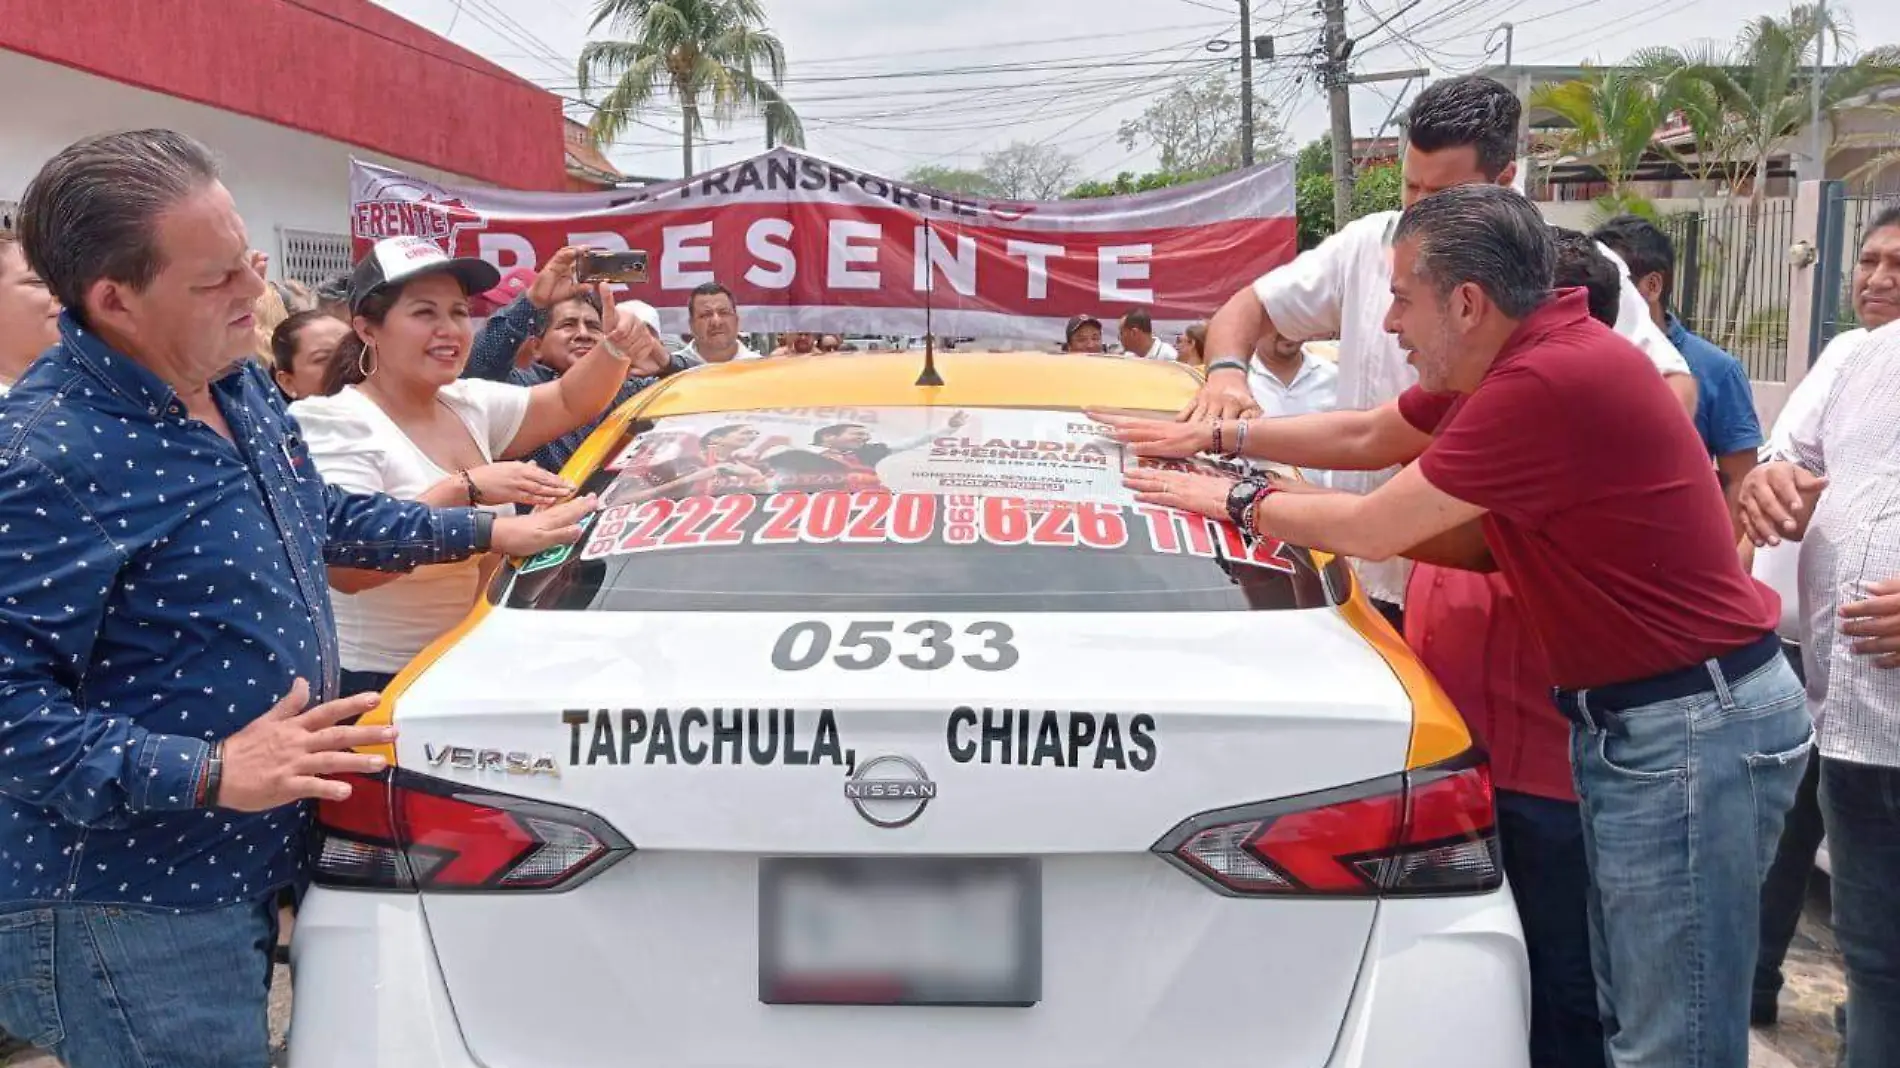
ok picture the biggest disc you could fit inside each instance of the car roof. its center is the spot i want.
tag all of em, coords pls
(889, 379)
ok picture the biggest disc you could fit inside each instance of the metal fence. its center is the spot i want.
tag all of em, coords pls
(1855, 213)
(1733, 278)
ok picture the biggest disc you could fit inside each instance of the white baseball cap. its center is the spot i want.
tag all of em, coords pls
(393, 261)
(642, 311)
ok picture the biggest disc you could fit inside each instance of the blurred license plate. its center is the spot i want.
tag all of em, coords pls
(900, 931)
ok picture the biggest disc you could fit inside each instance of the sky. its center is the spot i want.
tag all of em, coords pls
(887, 85)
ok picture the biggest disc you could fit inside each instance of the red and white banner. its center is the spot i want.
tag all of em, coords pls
(807, 244)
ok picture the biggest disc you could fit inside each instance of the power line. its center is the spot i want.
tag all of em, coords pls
(1610, 28)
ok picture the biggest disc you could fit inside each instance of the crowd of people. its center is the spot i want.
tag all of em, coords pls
(246, 505)
(1511, 467)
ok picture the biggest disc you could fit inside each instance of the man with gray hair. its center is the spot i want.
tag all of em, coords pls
(1688, 731)
(168, 655)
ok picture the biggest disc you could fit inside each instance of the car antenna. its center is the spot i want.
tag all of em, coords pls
(929, 377)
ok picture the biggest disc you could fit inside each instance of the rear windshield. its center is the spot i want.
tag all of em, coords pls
(981, 509)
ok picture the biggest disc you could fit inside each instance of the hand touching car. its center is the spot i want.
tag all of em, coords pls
(516, 482)
(525, 535)
(1160, 438)
(289, 752)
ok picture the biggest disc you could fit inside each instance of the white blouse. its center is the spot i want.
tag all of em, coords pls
(357, 447)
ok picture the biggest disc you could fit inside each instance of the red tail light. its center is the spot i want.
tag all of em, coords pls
(402, 831)
(1424, 832)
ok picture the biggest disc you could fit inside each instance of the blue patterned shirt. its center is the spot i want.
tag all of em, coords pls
(162, 587)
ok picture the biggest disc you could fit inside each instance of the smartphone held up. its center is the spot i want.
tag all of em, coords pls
(625, 268)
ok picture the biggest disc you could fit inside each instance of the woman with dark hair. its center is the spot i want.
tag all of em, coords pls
(399, 418)
(1192, 345)
(301, 348)
(29, 316)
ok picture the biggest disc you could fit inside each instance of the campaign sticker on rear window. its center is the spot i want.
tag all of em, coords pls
(871, 517)
(920, 509)
(1005, 451)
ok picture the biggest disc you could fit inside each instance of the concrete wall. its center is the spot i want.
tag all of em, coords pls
(282, 178)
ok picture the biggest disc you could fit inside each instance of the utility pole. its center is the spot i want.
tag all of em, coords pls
(1817, 137)
(1336, 47)
(1246, 83)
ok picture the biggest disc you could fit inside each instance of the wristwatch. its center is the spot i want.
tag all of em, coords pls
(484, 530)
(1241, 497)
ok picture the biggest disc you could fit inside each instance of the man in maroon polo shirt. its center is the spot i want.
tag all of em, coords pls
(1541, 444)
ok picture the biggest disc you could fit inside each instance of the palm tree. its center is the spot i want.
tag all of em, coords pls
(1886, 143)
(1761, 86)
(1613, 115)
(710, 55)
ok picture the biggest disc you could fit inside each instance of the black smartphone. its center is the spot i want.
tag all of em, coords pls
(623, 267)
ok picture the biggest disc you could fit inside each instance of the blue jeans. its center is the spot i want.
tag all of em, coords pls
(1785, 892)
(1861, 804)
(114, 987)
(1542, 841)
(1681, 813)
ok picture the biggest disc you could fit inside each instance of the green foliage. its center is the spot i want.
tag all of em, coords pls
(952, 180)
(712, 56)
(1613, 115)
(1127, 182)
(1375, 189)
(1316, 157)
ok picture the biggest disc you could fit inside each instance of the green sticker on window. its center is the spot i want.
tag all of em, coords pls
(547, 558)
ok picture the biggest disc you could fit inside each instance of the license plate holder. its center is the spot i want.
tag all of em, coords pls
(961, 931)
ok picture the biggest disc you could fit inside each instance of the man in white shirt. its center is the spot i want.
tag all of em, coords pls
(1461, 131)
(1834, 492)
(1876, 295)
(1288, 380)
(1138, 337)
(714, 321)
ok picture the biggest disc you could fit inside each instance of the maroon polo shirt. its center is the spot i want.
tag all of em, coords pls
(1602, 509)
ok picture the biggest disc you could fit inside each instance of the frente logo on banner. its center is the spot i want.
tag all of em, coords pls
(807, 244)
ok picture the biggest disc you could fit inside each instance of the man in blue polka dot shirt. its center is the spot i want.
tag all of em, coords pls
(168, 660)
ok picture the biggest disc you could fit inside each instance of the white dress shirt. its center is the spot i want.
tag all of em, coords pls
(1343, 289)
(1161, 350)
(1853, 541)
(1315, 387)
(691, 350)
(1779, 565)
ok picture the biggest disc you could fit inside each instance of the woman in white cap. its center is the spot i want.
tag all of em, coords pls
(511, 344)
(409, 425)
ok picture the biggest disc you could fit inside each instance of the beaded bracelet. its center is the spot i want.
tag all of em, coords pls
(1252, 527)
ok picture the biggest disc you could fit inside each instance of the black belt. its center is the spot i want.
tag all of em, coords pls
(1600, 707)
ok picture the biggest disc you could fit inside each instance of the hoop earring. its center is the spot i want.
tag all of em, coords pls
(365, 362)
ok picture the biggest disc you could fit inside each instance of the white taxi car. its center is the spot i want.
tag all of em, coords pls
(873, 721)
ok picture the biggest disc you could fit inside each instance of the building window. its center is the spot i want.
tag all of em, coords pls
(309, 257)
